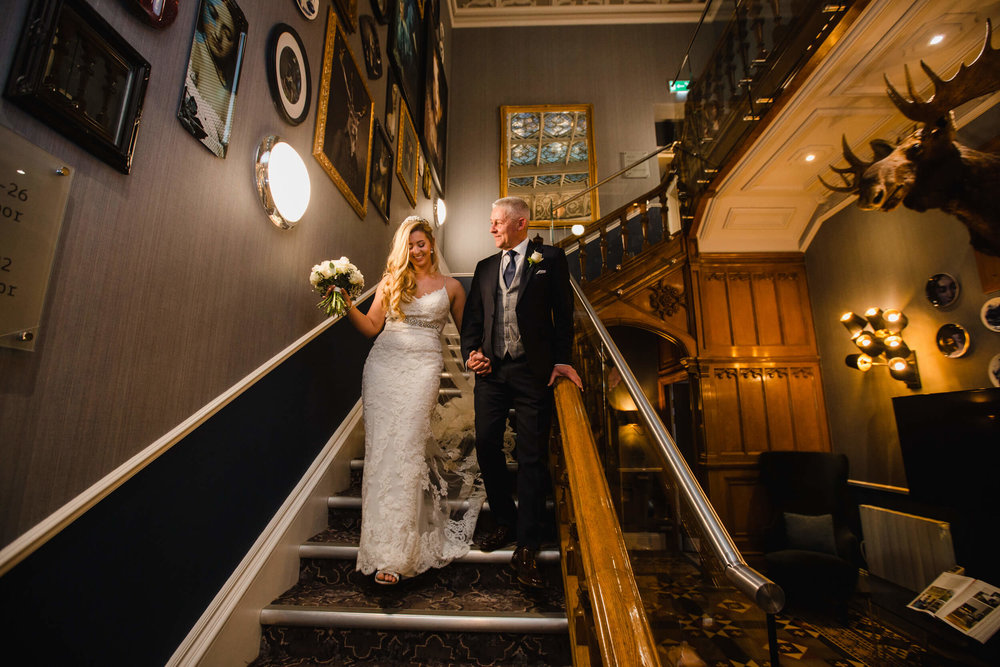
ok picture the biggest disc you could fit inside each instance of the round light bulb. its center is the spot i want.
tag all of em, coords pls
(289, 181)
(578, 229)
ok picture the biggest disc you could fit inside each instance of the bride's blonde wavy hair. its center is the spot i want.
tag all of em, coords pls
(400, 278)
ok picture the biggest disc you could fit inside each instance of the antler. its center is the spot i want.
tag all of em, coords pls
(857, 166)
(970, 82)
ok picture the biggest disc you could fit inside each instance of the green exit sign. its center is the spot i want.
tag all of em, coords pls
(679, 86)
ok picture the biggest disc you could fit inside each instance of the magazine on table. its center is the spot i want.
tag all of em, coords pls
(966, 604)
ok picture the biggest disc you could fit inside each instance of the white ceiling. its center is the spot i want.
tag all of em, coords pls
(772, 199)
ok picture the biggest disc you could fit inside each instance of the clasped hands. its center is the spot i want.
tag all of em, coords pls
(480, 364)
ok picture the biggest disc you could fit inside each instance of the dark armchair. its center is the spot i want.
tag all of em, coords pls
(809, 548)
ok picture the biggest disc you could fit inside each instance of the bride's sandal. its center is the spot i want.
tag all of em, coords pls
(387, 578)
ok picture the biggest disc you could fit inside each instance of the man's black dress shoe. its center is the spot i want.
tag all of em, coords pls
(525, 565)
(502, 536)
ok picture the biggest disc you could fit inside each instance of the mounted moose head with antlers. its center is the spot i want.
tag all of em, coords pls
(928, 169)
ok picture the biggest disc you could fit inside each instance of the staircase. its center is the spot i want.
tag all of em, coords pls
(471, 612)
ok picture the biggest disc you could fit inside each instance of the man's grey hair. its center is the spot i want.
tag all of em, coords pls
(514, 207)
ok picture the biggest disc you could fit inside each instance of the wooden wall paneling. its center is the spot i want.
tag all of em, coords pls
(752, 409)
(735, 496)
(742, 314)
(767, 314)
(722, 406)
(808, 409)
(780, 424)
(794, 309)
(716, 330)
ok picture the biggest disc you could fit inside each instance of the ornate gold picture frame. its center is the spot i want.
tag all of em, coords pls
(407, 155)
(547, 159)
(345, 118)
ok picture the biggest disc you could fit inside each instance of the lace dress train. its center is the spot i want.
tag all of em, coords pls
(418, 452)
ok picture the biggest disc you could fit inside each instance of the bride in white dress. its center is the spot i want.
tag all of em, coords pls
(409, 475)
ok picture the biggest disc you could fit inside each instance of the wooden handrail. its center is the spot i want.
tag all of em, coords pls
(620, 623)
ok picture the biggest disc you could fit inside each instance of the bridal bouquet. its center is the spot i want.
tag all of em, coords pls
(336, 273)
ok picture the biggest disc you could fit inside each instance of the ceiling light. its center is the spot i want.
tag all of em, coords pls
(936, 39)
(810, 157)
(578, 229)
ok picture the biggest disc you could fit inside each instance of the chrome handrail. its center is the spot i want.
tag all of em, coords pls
(764, 592)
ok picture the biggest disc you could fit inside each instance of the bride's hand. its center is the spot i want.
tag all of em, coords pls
(348, 304)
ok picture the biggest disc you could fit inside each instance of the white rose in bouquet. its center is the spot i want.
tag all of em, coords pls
(338, 273)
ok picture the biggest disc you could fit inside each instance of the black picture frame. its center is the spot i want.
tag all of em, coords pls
(435, 128)
(407, 40)
(101, 111)
(393, 96)
(942, 290)
(380, 10)
(288, 74)
(208, 101)
(380, 188)
(345, 119)
(372, 47)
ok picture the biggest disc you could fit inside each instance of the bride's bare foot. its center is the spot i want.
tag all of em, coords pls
(387, 578)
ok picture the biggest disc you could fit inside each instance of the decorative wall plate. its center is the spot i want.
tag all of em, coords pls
(157, 13)
(942, 290)
(993, 370)
(953, 340)
(288, 74)
(309, 8)
(990, 314)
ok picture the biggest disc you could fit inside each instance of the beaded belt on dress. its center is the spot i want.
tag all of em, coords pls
(417, 322)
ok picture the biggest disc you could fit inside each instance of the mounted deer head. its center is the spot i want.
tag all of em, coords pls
(928, 169)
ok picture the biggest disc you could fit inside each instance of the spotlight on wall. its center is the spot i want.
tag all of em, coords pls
(578, 229)
(440, 211)
(282, 182)
(878, 337)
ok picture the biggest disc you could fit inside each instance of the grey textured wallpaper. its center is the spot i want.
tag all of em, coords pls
(170, 284)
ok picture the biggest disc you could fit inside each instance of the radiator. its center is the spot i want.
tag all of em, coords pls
(905, 549)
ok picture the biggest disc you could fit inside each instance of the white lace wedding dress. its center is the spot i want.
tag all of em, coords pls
(419, 452)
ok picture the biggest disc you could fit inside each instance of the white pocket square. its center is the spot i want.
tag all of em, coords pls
(540, 272)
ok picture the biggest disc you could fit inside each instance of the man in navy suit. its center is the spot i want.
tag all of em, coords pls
(517, 330)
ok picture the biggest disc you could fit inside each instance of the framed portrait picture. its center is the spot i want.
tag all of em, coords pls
(348, 10)
(407, 155)
(72, 71)
(371, 46)
(381, 178)
(309, 8)
(406, 54)
(288, 74)
(435, 129)
(425, 180)
(344, 119)
(380, 10)
(942, 290)
(213, 74)
(392, 97)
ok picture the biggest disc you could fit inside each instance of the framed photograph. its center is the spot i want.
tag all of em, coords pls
(989, 314)
(392, 98)
(288, 74)
(425, 180)
(73, 72)
(155, 13)
(372, 48)
(348, 10)
(380, 10)
(213, 74)
(381, 178)
(309, 8)
(435, 130)
(345, 119)
(406, 54)
(407, 155)
(942, 290)
(953, 340)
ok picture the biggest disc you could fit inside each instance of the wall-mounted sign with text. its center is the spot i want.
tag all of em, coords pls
(34, 186)
(679, 86)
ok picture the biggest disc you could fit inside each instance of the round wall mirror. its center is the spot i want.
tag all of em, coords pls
(953, 340)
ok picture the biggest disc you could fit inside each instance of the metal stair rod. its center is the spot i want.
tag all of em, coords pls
(768, 595)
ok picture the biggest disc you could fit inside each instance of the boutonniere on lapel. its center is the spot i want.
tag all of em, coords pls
(534, 258)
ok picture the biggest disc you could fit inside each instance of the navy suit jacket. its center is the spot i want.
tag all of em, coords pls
(544, 310)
